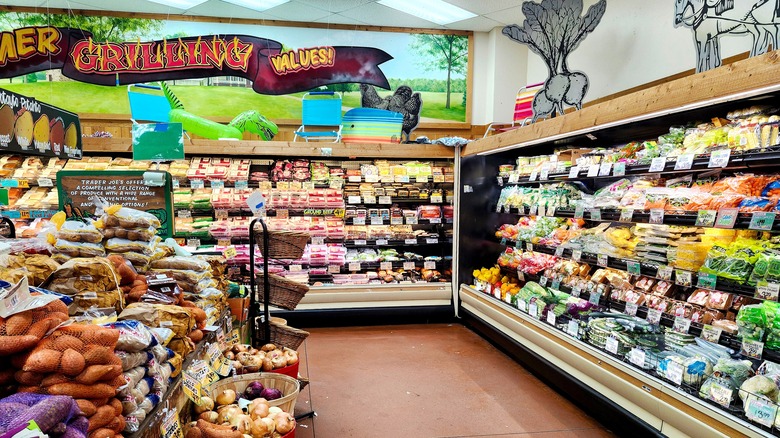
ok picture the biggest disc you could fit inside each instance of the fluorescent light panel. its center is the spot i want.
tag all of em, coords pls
(435, 11)
(180, 4)
(690, 106)
(258, 5)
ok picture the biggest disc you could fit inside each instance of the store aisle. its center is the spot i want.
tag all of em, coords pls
(422, 381)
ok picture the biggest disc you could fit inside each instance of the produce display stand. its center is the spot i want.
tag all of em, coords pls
(613, 390)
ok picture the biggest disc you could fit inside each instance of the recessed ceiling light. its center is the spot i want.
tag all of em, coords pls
(436, 11)
(180, 4)
(258, 5)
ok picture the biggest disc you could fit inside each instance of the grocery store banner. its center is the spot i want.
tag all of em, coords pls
(36, 48)
(32, 127)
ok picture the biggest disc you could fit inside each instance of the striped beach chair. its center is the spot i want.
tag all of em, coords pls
(370, 125)
(524, 112)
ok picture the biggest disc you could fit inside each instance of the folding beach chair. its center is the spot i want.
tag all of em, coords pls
(523, 110)
(321, 110)
(371, 125)
(146, 106)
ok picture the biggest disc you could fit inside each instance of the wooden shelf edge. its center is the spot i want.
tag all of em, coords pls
(740, 77)
(283, 149)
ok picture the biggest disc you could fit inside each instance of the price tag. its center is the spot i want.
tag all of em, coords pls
(706, 280)
(556, 284)
(727, 217)
(170, 426)
(434, 220)
(593, 170)
(706, 218)
(412, 220)
(767, 291)
(376, 220)
(544, 174)
(719, 158)
(543, 280)
(762, 221)
(574, 171)
(559, 251)
(184, 214)
(529, 246)
(595, 214)
(354, 178)
(656, 216)
(174, 183)
(221, 215)
(354, 266)
(381, 242)
(409, 266)
(681, 325)
(336, 183)
(533, 210)
(533, 175)
(683, 278)
(573, 328)
(359, 221)
(594, 298)
(627, 215)
(550, 211)
(197, 183)
(229, 252)
(633, 267)
(752, 348)
(429, 265)
(242, 184)
(612, 345)
(410, 241)
(619, 169)
(684, 162)
(193, 242)
(295, 268)
(550, 317)
(631, 309)
(48, 182)
(217, 184)
(602, 260)
(431, 240)
(653, 316)
(579, 212)
(353, 199)
(223, 242)
(386, 266)
(658, 164)
(637, 357)
(191, 384)
(576, 255)
(317, 240)
(385, 200)
(360, 242)
(373, 178)
(497, 292)
(760, 410)
(369, 199)
(710, 333)
(533, 310)
(665, 273)
(402, 178)
(604, 169)
(576, 291)
(522, 305)
(520, 275)
(397, 220)
(334, 269)
(721, 395)
(674, 372)
(283, 213)
(424, 179)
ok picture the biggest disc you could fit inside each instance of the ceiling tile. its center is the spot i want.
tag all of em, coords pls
(340, 19)
(380, 15)
(294, 11)
(485, 6)
(334, 5)
(508, 16)
(217, 8)
(477, 24)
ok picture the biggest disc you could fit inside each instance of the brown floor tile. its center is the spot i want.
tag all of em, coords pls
(426, 381)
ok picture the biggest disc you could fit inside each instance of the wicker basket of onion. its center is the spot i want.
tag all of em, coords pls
(269, 358)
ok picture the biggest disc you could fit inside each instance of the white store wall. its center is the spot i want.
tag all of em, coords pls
(634, 44)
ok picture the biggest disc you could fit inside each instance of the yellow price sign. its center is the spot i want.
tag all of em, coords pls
(229, 252)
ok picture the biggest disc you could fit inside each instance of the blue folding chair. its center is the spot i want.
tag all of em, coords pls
(321, 109)
(147, 106)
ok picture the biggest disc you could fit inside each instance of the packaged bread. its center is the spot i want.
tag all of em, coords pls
(182, 263)
(78, 231)
(129, 218)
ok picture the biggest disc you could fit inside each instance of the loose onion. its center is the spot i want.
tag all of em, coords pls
(270, 425)
(225, 414)
(291, 356)
(206, 404)
(226, 397)
(268, 347)
(209, 416)
(242, 423)
(284, 422)
(267, 364)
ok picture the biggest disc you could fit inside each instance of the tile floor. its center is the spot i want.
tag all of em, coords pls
(426, 381)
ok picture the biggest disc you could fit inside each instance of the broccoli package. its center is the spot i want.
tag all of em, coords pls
(752, 322)
(734, 262)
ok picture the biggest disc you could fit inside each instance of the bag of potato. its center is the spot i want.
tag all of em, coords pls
(79, 249)
(36, 267)
(78, 231)
(91, 282)
(182, 346)
(139, 261)
(192, 277)
(125, 245)
(129, 218)
(179, 319)
(181, 263)
(142, 234)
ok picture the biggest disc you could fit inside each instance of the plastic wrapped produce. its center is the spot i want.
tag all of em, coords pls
(752, 322)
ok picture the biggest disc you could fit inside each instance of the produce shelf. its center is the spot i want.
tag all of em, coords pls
(420, 241)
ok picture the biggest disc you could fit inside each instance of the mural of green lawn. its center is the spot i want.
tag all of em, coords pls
(209, 101)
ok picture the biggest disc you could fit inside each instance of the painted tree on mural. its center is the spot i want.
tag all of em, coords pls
(553, 29)
(443, 52)
(114, 29)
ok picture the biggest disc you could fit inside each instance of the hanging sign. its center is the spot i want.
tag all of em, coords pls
(272, 70)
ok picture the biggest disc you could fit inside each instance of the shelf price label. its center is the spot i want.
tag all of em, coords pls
(706, 218)
(48, 182)
(385, 200)
(533, 175)
(727, 217)
(409, 266)
(529, 247)
(637, 357)
(550, 317)
(594, 298)
(522, 305)
(174, 183)
(197, 183)
(767, 291)
(665, 273)
(573, 328)
(360, 242)
(627, 215)
(752, 349)
(520, 274)
(533, 309)
(721, 395)
(369, 199)
(631, 309)
(706, 280)
(242, 184)
(604, 169)
(579, 212)
(612, 345)
(762, 220)
(576, 291)
(429, 265)
(656, 216)
(761, 411)
(559, 251)
(217, 184)
(545, 173)
(221, 215)
(193, 242)
(432, 240)
(710, 333)
(602, 260)
(354, 266)
(683, 278)
(296, 268)
(335, 269)
(543, 280)
(574, 171)
(353, 199)
(184, 214)
(653, 316)
(593, 170)
(354, 178)
(375, 179)
(381, 242)
(376, 220)
(533, 209)
(719, 158)
(619, 169)
(658, 164)
(674, 372)
(412, 220)
(576, 255)
(410, 241)
(681, 325)
(684, 162)
(359, 221)
(317, 240)
(595, 214)
(556, 284)
(633, 267)
(386, 266)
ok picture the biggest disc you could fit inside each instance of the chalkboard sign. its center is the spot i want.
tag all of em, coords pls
(29, 126)
(126, 187)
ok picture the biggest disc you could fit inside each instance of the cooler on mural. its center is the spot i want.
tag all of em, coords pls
(370, 125)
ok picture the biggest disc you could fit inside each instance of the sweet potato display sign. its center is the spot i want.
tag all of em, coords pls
(37, 48)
